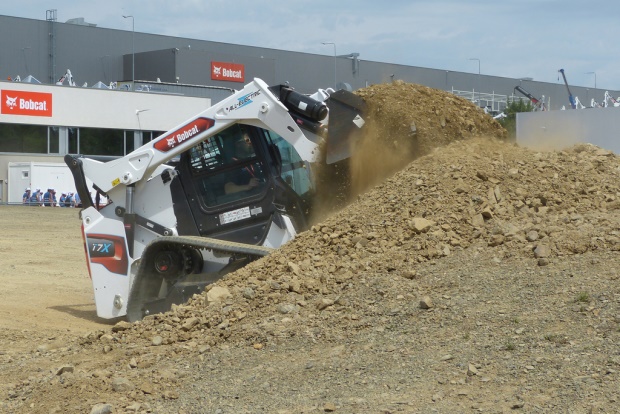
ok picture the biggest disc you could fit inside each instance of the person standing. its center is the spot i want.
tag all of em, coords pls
(47, 198)
(26, 196)
(35, 198)
(76, 202)
(68, 200)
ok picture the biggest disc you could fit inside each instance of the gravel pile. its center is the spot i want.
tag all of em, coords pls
(480, 277)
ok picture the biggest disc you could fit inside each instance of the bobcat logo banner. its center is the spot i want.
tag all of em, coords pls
(183, 134)
(26, 103)
(226, 71)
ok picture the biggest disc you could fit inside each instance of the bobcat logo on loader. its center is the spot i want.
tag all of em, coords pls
(11, 102)
(217, 70)
(184, 134)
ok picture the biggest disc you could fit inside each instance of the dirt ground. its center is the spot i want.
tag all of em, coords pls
(479, 277)
(39, 264)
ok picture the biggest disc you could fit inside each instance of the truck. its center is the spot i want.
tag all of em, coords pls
(210, 195)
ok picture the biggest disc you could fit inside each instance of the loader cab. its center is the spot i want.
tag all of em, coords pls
(223, 166)
(235, 184)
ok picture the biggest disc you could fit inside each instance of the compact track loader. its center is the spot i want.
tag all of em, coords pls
(222, 189)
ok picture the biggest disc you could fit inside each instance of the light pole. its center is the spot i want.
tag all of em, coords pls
(334, 44)
(592, 73)
(105, 76)
(478, 78)
(133, 53)
(355, 61)
(25, 60)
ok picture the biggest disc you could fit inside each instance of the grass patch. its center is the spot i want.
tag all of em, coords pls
(556, 339)
(583, 297)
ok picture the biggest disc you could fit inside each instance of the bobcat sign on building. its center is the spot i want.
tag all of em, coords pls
(16, 102)
(233, 72)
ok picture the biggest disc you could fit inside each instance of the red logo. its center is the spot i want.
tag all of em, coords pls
(226, 71)
(26, 103)
(183, 134)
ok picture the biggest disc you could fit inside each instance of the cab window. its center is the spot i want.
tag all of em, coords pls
(226, 167)
(295, 172)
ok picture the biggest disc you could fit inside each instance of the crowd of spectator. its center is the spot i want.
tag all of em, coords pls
(49, 199)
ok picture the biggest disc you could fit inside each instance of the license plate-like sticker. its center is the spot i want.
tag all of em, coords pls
(235, 215)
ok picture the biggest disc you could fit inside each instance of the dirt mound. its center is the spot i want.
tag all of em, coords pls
(480, 277)
(483, 192)
(404, 121)
(401, 112)
(407, 121)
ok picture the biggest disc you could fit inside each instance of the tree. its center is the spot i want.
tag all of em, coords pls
(509, 122)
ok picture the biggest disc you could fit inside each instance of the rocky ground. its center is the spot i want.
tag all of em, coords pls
(480, 277)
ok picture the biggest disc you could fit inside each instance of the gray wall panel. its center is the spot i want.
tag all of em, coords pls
(97, 54)
(556, 130)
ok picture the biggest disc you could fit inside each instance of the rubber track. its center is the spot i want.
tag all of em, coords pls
(138, 295)
(220, 246)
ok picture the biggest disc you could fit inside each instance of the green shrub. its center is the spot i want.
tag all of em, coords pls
(510, 121)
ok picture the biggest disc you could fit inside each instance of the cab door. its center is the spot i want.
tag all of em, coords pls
(204, 203)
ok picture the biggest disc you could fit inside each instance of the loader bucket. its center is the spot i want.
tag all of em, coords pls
(346, 111)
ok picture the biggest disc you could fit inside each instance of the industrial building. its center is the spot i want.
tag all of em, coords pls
(75, 88)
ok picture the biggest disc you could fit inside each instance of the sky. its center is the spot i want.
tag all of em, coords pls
(507, 38)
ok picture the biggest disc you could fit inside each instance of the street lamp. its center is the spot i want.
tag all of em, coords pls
(25, 60)
(355, 62)
(133, 53)
(478, 77)
(478, 64)
(592, 73)
(105, 76)
(334, 44)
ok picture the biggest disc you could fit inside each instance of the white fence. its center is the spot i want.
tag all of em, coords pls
(494, 103)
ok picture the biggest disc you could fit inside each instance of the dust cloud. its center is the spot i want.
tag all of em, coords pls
(376, 158)
(404, 121)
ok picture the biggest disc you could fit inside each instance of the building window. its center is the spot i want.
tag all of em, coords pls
(23, 138)
(148, 136)
(135, 139)
(101, 141)
(129, 141)
(54, 140)
(73, 135)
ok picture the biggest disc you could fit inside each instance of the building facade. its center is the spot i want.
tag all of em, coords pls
(103, 92)
(45, 49)
(42, 123)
